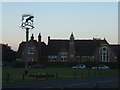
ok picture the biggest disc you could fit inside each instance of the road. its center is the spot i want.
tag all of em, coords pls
(102, 82)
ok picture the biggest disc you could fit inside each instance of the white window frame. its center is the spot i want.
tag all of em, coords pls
(52, 58)
(104, 54)
(63, 56)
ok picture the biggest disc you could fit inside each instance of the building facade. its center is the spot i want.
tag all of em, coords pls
(59, 50)
(34, 52)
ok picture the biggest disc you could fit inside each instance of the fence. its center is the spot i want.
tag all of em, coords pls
(13, 78)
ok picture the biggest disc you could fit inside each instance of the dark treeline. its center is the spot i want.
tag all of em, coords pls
(8, 55)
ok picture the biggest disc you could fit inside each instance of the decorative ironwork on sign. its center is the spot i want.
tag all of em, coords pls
(27, 21)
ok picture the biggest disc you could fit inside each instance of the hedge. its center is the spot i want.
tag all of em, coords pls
(112, 65)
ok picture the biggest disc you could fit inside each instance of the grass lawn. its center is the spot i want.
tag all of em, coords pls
(15, 74)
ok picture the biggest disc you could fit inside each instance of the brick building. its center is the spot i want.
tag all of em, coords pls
(36, 50)
(59, 50)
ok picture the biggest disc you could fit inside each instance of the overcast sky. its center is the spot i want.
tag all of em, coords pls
(58, 19)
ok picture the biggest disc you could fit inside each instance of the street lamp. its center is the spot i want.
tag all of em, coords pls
(27, 24)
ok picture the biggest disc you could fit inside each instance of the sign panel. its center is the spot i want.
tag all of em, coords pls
(27, 21)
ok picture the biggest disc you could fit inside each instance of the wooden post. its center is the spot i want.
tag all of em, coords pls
(23, 77)
(95, 85)
(56, 75)
(36, 76)
(95, 73)
(47, 76)
(8, 77)
(81, 74)
(88, 74)
(26, 61)
(74, 75)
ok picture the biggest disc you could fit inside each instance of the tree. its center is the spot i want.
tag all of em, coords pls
(7, 53)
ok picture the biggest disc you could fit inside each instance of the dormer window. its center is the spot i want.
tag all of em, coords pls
(31, 50)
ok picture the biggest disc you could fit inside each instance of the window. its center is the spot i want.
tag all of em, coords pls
(49, 57)
(104, 54)
(30, 59)
(31, 50)
(18, 59)
(52, 58)
(86, 58)
(63, 56)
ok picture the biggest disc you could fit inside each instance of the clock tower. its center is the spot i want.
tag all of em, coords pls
(71, 48)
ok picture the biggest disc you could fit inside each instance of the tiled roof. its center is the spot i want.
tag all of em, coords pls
(82, 47)
(55, 45)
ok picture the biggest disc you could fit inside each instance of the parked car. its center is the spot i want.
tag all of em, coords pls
(79, 66)
(37, 66)
(101, 67)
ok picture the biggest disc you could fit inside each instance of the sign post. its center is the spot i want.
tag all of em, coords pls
(27, 24)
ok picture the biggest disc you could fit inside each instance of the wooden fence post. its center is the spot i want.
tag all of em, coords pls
(81, 74)
(95, 85)
(23, 77)
(36, 76)
(47, 76)
(88, 74)
(8, 77)
(56, 75)
(95, 73)
(74, 75)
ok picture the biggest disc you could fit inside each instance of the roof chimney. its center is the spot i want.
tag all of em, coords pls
(39, 37)
(48, 39)
(32, 37)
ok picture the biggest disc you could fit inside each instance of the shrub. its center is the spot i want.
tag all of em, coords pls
(112, 65)
(61, 64)
(18, 64)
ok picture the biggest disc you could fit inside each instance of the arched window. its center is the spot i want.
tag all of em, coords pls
(104, 54)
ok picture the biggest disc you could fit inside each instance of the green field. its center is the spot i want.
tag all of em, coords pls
(16, 74)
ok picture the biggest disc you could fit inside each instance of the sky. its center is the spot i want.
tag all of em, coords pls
(58, 19)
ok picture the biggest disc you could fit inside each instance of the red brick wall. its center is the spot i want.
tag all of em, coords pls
(111, 55)
(35, 55)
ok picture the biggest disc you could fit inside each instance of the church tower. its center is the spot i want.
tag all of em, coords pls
(72, 48)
